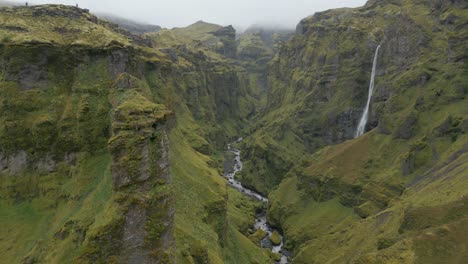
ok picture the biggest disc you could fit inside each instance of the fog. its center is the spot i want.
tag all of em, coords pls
(239, 13)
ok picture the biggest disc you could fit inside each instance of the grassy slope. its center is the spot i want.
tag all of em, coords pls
(398, 193)
(318, 80)
(49, 218)
(205, 204)
(215, 219)
(208, 213)
(48, 215)
(197, 31)
(199, 37)
(42, 29)
(30, 226)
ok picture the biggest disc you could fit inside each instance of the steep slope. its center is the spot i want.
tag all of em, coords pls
(258, 41)
(398, 193)
(111, 147)
(79, 133)
(111, 144)
(255, 48)
(318, 80)
(215, 37)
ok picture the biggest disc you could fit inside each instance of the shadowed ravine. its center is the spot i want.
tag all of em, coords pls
(260, 221)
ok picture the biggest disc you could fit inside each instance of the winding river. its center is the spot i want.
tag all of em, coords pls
(260, 221)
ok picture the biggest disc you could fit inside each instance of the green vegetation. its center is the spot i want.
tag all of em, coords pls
(57, 25)
(59, 210)
(275, 238)
(258, 236)
(364, 200)
(111, 142)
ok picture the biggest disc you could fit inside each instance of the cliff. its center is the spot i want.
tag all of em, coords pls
(105, 135)
(112, 143)
(397, 193)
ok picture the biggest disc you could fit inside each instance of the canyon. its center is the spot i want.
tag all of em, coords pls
(114, 143)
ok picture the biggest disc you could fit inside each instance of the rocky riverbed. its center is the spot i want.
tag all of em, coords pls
(234, 165)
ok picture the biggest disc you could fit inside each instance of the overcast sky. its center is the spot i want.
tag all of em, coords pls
(240, 13)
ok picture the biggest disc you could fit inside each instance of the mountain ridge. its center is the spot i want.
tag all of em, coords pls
(112, 144)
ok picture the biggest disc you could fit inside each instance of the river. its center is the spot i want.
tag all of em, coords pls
(260, 221)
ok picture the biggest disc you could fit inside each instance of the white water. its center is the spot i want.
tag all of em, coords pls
(365, 115)
(260, 221)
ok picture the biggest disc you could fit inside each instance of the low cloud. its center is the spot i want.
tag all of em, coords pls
(240, 13)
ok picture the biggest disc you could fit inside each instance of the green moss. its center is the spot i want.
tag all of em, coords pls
(44, 24)
(158, 209)
(60, 213)
(241, 210)
(258, 236)
(199, 253)
(136, 112)
(275, 238)
(252, 47)
(240, 249)
(443, 244)
(406, 178)
(276, 256)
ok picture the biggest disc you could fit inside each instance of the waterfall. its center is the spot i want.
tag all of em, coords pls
(365, 115)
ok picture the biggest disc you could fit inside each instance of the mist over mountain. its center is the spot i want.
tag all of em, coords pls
(130, 25)
(238, 132)
(181, 13)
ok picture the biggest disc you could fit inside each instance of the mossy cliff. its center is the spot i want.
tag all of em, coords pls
(396, 194)
(260, 43)
(212, 99)
(318, 81)
(72, 140)
(110, 145)
(201, 34)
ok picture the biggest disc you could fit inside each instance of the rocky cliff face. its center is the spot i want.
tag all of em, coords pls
(202, 34)
(89, 116)
(318, 85)
(318, 81)
(227, 36)
(257, 40)
(111, 143)
(57, 128)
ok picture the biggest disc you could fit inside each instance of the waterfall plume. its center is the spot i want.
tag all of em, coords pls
(365, 115)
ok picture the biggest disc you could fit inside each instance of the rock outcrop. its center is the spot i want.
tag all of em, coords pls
(89, 116)
(367, 189)
(227, 36)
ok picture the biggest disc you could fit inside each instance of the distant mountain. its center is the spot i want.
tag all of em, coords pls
(130, 25)
(270, 35)
(116, 146)
(215, 37)
(259, 43)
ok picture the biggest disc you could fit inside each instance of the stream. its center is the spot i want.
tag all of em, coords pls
(260, 220)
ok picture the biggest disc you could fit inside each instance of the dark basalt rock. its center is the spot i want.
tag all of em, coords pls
(172, 53)
(343, 124)
(228, 32)
(227, 36)
(406, 129)
(300, 29)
